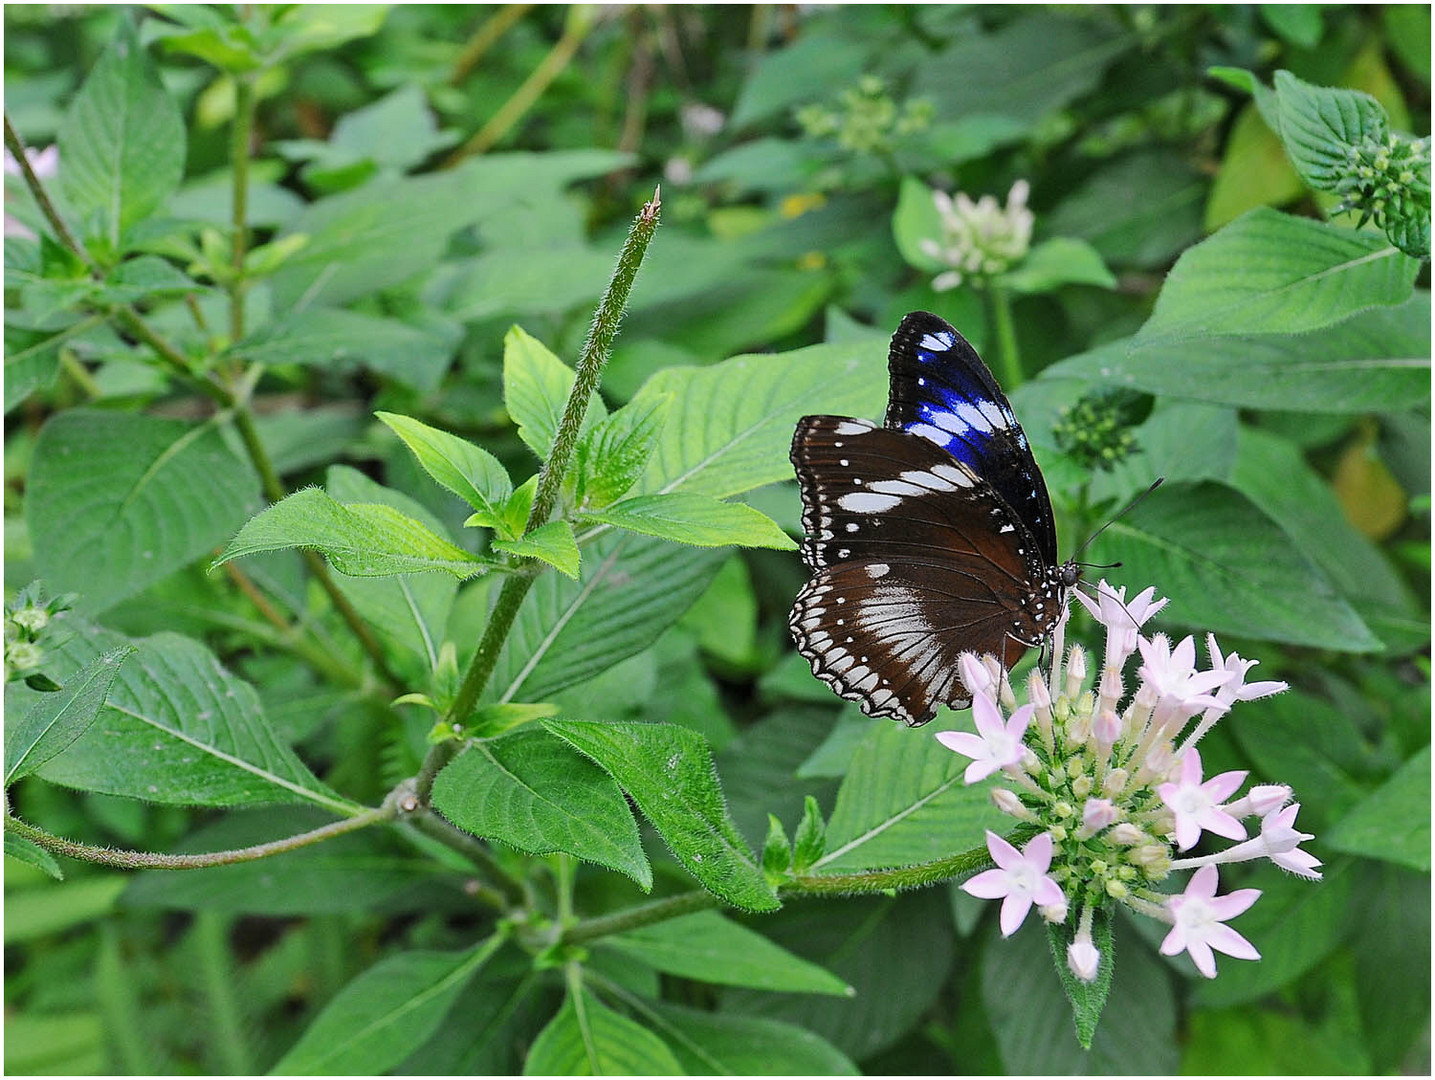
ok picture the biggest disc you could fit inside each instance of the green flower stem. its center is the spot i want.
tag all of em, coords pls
(1008, 355)
(589, 373)
(808, 885)
(580, 20)
(171, 357)
(240, 137)
(149, 860)
(37, 189)
(211, 933)
(484, 38)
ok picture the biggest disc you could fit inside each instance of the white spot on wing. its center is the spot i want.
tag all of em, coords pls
(866, 502)
(877, 569)
(853, 427)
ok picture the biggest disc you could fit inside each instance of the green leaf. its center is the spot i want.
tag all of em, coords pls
(22, 850)
(1255, 171)
(122, 140)
(58, 719)
(811, 839)
(1030, 67)
(527, 281)
(586, 1038)
(329, 338)
(372, 870)
(1319, 124)
(1232, 569)
(1032, 1020)
(536, 385)
(1391, 945)
(722, 1043)
(730, 428)
(1299, 24)
(776, 852)
(144, 278)
(1377, 361)
(917, 219)
(669, 773)
(535, 793)
(176, 728)
(711, 948)
(1270, 273)
(487, 721)
(410, 610)
(630, 589)
(1271, 1043)
(1371, 828)
(1146, 232)
(123, 500)
(554, 543)
(1062, 260)
(1087, 999)
(904, 801)
(361, 539)
(394, 228)
(385, 1014)
(1296, 925)
(1272, 473)
(799, 72)
(896, 952)
(471, 473)
(616, 452)
(689, 518)
(52, 909)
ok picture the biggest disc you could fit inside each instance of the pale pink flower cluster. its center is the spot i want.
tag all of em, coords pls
(1114, 786)
(979, 239)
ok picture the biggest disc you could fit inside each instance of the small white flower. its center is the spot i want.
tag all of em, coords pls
(1279, 841)
(1259, 801)
(979, 238)
(1121, 619)
(1196, 805)
(701, 120)
(1198, 916)
(1019, 879)
(1181, 690)
(996, 745)
(1237, 689)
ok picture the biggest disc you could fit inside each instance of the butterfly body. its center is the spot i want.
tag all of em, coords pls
(927, 537)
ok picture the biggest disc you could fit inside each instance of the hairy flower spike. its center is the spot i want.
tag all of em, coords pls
(1115, 791)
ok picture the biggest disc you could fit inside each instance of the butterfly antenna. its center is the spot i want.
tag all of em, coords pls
(1117, 517)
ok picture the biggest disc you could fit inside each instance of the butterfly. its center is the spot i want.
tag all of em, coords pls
(927, 537)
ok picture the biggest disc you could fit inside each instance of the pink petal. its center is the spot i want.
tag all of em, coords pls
(1002, 852)
(1298, 862)
(1014, 909)
(1184, 654)
(963, 742)
(1038, 852)
(1222, 824)
(1174, 942)
(980, 770)
(1191, 767)
(1226, 940)
(1254, 690)
(1048, 893)
(1223, 786)
(988, 885)
(1202, 957)
(1203, 883)
(1092, 607)
(1187, 831)
(1016, 726)
(989, 720)
(1232, 904)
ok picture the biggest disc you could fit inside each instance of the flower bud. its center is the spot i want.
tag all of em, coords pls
(1115, 783)
(24, 656)
(1081, 787)
(1007, 802)
(1097, 814)
(1083, 959)
(1075, 671)
(1107, 729)
(1126, 834)
(33, 619)
(1259, 801)
(1036, 691)
(1054, 913)
(1117, 890)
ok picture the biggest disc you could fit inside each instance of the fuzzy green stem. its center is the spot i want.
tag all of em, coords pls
(149, 860)
(580, 21)
(431, 824)
(240, 137)
(1008, 355)
(42, 198)
(670, 907)
(550, 479)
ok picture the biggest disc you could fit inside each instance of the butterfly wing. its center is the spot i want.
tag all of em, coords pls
(941, 391)
(915, 559)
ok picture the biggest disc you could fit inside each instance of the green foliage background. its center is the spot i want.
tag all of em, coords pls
(435, 199)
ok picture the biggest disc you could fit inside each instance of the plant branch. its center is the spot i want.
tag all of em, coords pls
(484, 38)
(471, 848)
(575, 29)
(149, 860)
(42, 198)
(669, 907)
(1008, 354)
(589, 373)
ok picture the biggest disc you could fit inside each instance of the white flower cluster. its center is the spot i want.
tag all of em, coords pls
(1115, 788)
(980, 239)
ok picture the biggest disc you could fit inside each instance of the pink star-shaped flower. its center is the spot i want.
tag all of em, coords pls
(1198, 916)
(1020, 877)
(1237, 689)
(1282, 843)
(1172, 674)
(1197, 805)
(996, 744)
(1121, 619)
